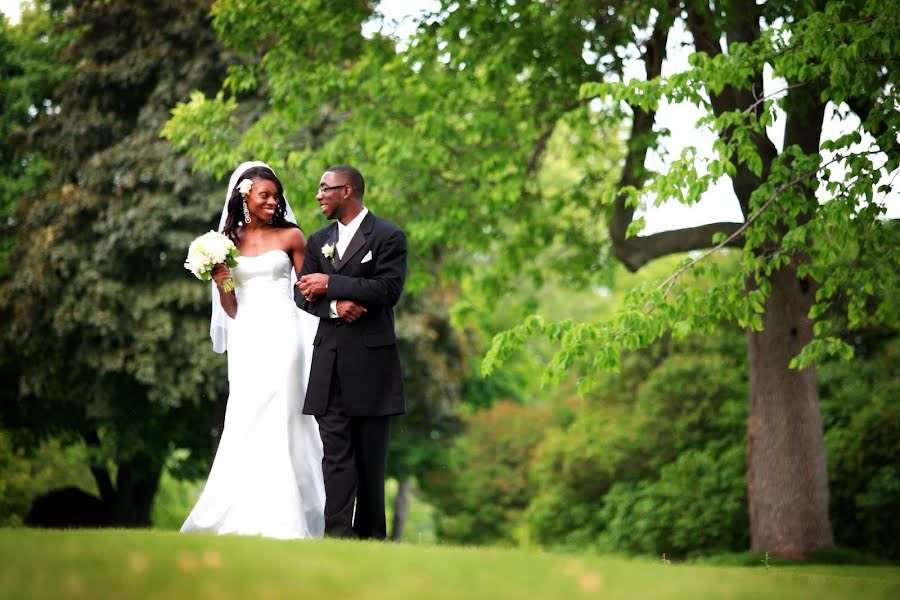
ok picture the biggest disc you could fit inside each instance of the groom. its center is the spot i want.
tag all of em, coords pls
(353, 274)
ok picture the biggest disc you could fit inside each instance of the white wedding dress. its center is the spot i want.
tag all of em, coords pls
(266, 478)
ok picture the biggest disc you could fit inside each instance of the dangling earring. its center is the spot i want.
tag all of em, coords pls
(246, 213)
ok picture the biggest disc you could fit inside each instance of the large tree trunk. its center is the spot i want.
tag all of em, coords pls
(786, 475)
(144, 483)
(130, 500)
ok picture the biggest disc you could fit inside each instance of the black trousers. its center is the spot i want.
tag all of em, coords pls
(353, 465)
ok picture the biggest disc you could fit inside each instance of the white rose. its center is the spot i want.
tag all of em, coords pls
(207, 251)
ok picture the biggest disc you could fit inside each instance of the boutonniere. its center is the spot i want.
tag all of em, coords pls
(328, 251)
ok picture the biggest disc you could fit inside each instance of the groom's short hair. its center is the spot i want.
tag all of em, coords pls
(354, 178)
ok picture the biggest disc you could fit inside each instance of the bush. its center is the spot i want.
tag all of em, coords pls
(652, 466)
(479, 497)
(174, 501)
(574, 468)
(24, 476)
(861, 412)
(655, 460)
(697, 506)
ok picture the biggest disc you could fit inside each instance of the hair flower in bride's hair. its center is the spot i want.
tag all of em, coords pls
(328, 251)
(244, 186)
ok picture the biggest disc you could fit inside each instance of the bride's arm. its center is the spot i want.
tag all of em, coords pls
(220, 273)
(296, 248)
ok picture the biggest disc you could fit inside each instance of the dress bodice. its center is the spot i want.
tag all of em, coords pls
(263, 282)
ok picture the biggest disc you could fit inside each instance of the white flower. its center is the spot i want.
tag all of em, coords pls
(207, 251)
(328, 250)
(244, 186)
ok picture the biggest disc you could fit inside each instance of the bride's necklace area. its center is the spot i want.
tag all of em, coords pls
(255, 244)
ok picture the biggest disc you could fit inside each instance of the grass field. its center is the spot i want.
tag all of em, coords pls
(125, 564)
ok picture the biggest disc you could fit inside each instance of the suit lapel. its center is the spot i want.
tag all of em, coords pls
(357, 241)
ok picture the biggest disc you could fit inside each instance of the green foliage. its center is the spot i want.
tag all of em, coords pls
(106, 333)
(697, 506)
(611, 478)
(480, 494)
(812, 213)
(25, 474)
(29, 72)
(653, 460)
(861, 413)
(841, 53)
(449, 142)
(419, 527)
(645, 314)
(434, 373)
(176, 497)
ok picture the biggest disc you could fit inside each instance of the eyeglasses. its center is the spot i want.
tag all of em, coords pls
(322, 190)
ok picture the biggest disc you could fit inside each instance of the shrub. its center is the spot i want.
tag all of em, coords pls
(480, 496)
(24, 476)
(697, 506)
(861, 412)
(613, 478)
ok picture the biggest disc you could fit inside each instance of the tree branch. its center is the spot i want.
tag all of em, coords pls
(637, 251)
(877, 128)
(642, 135)
(761, 99)
(805, 117)
(731, 239)
(540, 145)
(537, 153)
(744, 28)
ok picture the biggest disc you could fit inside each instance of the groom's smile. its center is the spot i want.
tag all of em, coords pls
(326, 208)
(330, 195)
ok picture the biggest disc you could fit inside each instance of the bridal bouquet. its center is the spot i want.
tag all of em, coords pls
(206, 252)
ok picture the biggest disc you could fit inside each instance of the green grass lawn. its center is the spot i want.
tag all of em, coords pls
(158, 564)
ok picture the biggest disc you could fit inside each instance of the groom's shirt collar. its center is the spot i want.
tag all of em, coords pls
(346, 232)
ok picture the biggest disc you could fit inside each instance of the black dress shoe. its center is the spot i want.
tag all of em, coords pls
(340, 530)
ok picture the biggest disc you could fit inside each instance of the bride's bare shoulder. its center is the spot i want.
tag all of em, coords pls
(291, 235)
(291, 239)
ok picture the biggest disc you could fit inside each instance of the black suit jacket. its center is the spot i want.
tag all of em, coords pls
(364, 353)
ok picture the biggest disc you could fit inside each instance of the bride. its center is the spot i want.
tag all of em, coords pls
(266, 478)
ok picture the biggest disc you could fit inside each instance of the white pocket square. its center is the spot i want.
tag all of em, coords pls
(367, 257)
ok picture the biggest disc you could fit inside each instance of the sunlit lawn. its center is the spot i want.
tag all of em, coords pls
(159, 564)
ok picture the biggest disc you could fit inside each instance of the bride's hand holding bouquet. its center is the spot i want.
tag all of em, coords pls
(221, 275)
(210, 256)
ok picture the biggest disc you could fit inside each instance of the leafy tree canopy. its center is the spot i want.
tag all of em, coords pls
(107, 338)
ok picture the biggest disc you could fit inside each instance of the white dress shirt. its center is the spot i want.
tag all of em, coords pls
(345, 234)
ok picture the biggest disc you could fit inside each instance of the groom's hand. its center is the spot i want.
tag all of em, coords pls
(313, 286)
(349, 311)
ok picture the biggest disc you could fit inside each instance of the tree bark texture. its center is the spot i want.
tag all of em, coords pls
(787, 474)
(401, 508)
